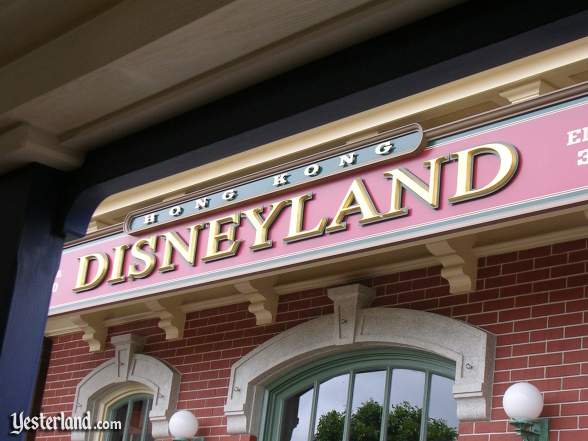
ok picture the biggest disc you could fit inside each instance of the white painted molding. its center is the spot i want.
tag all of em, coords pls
(531, 242)
(128, 366)
(460, 265)
(263, 299)
(351, 276)
(217, 302)
(470, 348)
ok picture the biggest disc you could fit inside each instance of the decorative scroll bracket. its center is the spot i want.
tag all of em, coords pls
(263, 298)
(92, 325)
(460, 266)
(172, 319)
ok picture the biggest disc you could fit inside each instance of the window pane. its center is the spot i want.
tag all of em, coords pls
(296, 419)
(138, 426)
(137, 419)
(331, 406)
(406, 401)
(119, 414)
(442, 424)
(147, 428)
(367, 406)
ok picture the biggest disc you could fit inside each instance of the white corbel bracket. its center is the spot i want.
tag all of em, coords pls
(460, 265)
(92, 325)
(262, 297)
(172, 319)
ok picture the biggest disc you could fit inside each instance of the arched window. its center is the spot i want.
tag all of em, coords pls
(141, 390)
(133, 413)
(449, 355)
(378, 394)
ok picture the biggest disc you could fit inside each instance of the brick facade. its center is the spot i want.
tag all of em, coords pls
(535, 301)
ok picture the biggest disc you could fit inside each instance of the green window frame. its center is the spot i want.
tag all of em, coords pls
(129, 402)
(310, 376)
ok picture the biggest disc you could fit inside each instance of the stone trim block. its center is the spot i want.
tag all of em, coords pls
(471, 348)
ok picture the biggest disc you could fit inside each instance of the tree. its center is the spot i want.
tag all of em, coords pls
(404, 422)
(330, 426)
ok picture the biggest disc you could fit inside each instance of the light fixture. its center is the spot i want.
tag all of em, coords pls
(523, 403)
(183, 425)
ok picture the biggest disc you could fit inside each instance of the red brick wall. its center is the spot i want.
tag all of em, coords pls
(535, 301)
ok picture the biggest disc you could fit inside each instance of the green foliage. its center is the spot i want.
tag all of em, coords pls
(404, 423)
(330, 426)
(437, 430)
(365, 422)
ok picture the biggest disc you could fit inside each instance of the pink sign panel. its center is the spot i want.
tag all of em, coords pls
(551, 146)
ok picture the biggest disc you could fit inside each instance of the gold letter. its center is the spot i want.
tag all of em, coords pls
(174, 241)
(296, 230)
(216, 236)
(403, 178)
(116, 275)
(262, 226)
(148, 258)
(357, 200)
(102, 261)
(509, 161)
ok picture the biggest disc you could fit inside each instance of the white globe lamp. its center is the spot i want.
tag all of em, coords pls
(523, 403)
(183, 425)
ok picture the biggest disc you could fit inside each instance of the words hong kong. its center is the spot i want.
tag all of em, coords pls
(202, 242)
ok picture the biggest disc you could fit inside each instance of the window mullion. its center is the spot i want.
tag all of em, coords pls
(347, 421)
(311, 426)
(108, 434)
(386, 405)
(425, 408)
(145, 419)
(127, 420)
(277, 430)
